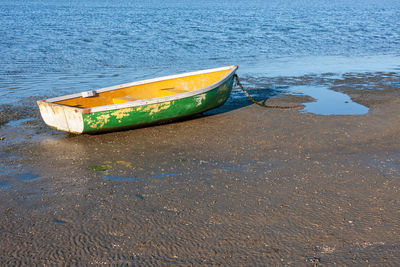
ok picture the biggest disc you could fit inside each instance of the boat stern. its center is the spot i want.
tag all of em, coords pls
(61, 117)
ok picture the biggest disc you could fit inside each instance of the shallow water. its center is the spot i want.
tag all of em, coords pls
(4, 186)
(27, 177)
(119, 178)
(51, 48)
(252, 187)
(328, 102)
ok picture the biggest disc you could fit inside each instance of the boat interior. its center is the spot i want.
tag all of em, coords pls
(145, 91)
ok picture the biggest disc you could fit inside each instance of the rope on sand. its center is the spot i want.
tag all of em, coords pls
(258, 103)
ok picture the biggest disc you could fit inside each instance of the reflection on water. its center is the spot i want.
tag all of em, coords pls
(328, 102)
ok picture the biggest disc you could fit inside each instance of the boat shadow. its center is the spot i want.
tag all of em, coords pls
(236, 101)
(239, 100)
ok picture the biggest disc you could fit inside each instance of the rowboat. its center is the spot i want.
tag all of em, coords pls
(140, 103)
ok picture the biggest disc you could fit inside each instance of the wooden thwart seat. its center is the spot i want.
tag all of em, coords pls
(123, 99)
(175, 90)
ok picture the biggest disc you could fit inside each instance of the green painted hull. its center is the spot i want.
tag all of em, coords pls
(138, 116)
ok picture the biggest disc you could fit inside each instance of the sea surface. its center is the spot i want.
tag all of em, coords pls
(51, 48)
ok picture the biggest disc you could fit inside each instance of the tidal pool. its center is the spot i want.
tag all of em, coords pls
(328, 102)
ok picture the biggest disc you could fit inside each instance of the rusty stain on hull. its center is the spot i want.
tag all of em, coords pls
(61, 117)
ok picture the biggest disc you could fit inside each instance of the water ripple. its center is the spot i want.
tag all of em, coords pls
(44, 41)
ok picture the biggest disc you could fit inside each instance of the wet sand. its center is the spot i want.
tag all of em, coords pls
(240, 185)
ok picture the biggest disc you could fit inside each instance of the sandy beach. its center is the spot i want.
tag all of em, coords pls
(241, 185)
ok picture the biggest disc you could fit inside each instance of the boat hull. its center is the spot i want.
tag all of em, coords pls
(133, 114)
(140, 116)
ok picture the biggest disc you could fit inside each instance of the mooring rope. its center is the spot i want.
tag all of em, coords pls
(258, 103)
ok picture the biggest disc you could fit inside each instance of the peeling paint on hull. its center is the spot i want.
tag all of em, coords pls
(156, 113)
(136, 113)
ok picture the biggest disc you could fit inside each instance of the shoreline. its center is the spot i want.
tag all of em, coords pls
(241, 185)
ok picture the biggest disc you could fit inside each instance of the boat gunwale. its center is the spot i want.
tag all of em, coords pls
(150, 101)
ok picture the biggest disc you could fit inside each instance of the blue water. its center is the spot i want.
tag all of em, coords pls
(27, 177)
(328, 102)
(50, 47)
(120, 178)
(4, 185)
